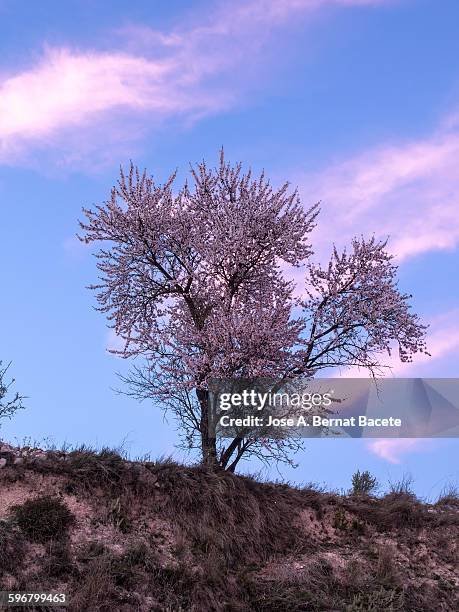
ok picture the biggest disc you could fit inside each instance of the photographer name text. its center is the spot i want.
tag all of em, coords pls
(308, 421)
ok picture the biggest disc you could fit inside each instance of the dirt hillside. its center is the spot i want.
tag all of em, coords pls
(117, 535)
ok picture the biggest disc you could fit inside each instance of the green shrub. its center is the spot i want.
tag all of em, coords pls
(43, 518)
(363, 483)
(340, 521)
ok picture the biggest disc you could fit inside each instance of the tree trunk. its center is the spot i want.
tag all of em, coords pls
(207, 428)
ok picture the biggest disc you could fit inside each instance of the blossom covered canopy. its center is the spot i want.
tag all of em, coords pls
(194, 281)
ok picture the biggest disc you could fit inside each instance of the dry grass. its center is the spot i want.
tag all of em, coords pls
(12, 548)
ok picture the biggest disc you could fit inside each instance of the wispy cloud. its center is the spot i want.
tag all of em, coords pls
(153, 75)
(68, 91)
(408, 192)
(394, 449)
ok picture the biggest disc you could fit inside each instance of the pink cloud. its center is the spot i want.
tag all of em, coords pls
(70, 97)
(409, 192)
(71, 90)
(65, 87)
(393, 450)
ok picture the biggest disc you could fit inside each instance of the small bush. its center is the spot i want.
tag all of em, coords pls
(43, 518)
(340, 521)
(363, 483)
(449, 496)
(404, 486)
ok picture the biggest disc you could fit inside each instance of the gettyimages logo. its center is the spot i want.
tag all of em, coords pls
(260, 401)
(356, 408)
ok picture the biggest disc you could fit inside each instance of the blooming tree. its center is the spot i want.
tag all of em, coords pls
(194, 282)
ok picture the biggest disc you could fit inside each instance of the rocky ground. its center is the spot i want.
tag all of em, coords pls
(120, 535)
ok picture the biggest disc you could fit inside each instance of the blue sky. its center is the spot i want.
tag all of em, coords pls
(354, 101)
